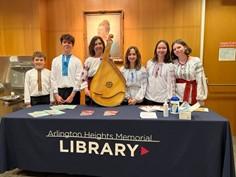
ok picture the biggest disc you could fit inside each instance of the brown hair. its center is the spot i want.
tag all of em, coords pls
(67, 37)
(187, 51)
(39, 55)
(167, 58)
(92, 45)
(137, 62)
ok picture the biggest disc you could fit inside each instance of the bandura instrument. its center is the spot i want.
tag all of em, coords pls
(108, 84)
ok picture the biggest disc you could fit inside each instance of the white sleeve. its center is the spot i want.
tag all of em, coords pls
(148, 66)
(171, 80)
(26, 88)
(78, 72)
(127, 94)
(141, 93)
(51, 90)
(54, 86)
(202, 90)
(84, 76)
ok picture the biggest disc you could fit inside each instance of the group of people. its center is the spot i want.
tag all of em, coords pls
(167, 74)
(61, 85)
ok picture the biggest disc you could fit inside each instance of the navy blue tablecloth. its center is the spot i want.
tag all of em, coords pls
(123, 145)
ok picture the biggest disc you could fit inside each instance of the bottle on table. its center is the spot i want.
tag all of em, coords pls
(165, 109)
(174, 105)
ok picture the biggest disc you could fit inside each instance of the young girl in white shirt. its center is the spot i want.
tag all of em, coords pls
(191, 85)
(161, 78)
(135, 76)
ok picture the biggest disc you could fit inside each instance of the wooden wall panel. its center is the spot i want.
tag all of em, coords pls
(144, 22)
(43, 29)
(29, 25)
(34, 24)
(220, 27)
(19, 27)
(38, 24)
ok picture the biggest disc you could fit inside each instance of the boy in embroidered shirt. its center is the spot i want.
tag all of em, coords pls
(66, 73)
(37, 88)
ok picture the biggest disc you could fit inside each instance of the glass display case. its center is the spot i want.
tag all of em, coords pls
(12, 76)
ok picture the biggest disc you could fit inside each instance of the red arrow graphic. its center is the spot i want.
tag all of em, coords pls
(144, 151)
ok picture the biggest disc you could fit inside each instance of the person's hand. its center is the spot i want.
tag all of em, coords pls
(59, 99)
(109, 39)
(201, 102)
(70, 98)
(87, 92)
(28, 105)
(132, 101)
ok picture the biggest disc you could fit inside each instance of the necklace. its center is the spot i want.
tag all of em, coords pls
(183, 65)
(183, 62)
(157, 69)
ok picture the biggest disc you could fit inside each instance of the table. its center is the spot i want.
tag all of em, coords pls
(7, 108)
(123, 145)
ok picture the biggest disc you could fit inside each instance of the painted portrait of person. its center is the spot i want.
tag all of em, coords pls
(104, 24)
(104, 29)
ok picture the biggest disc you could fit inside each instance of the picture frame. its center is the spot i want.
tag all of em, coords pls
(102, 23)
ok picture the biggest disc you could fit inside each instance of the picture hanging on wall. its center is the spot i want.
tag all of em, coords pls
(103, 23)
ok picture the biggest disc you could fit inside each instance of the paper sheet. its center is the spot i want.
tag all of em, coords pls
(151, 108)
(63, 107)
(148, 115)
(38, 114)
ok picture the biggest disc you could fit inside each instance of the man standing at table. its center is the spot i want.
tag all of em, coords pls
(65, 73)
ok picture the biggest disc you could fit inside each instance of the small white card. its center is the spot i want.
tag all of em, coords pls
(63, 106)
(148, 115)
(194, 107)
(38, 114)
(151, 108)
(185, 115)
(45, 113)
(202, 109)
(54, 112)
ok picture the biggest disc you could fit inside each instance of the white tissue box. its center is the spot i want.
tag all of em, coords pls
(185, 115)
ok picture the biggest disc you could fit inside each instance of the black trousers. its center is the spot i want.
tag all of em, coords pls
(125, 102)
(36, 100)
(149, 102)
(90, 102)
(65, 93)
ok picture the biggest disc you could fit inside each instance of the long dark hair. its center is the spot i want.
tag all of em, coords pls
(138, 60)
(92, 45)
(187, 51)
(167, 58)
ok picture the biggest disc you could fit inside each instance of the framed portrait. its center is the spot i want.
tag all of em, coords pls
(103, 23)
